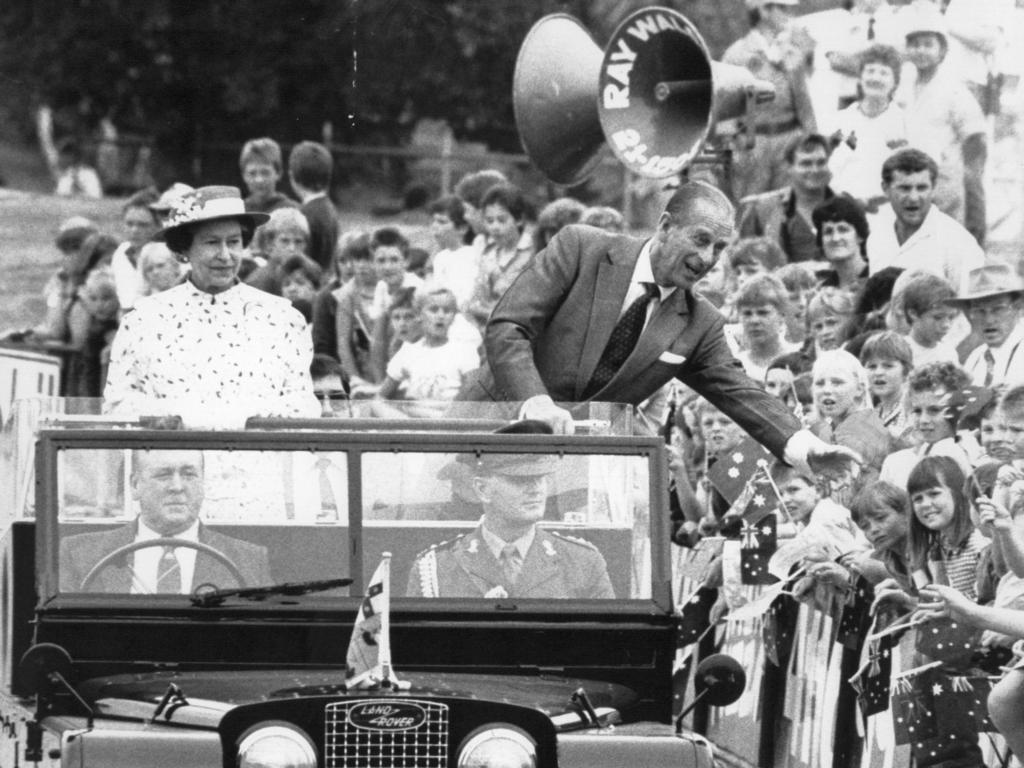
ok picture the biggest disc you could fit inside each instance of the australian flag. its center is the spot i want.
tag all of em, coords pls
(367, 650)
(947, 640)
(730, 473)
(872, 681)
(695, 616)
(778, 627)
(856, 618)
(758, 543)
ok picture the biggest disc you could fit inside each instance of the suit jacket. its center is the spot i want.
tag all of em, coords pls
(555, 566)
(548, 331)
(78, 554)
(323, 230)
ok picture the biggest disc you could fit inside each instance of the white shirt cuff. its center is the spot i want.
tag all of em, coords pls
(798, 447)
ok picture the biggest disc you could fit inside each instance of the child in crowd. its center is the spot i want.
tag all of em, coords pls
(309, 169)
(886, 358)
(762, 305)
(930, 318)
(261, 166)
(404, 319)
(821, 529)
(354, 315)
(943, 545)
(882, 512)
(92, 322)
(471, 189)
(284, 236)
(140, 224)
(456, 263)
(993, 434)
(509, 249)
(930, 390)
(388, 247)
(159, 267)
(752, 256)
(434, 367)
(800, 285)
(828, 313)
(300, 279)
(842, 402)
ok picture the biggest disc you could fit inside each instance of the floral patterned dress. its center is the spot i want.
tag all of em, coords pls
(214, 359)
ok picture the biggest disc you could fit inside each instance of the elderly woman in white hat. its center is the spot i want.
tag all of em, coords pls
(211, 350)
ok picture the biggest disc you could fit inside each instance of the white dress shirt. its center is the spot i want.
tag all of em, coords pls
(146, 563)
(1008, 360)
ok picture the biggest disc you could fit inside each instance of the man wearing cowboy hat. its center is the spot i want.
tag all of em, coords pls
(211, 350)
(508, 555)
(991, 300)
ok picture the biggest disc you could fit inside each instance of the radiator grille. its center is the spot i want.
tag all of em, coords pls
(351, 745)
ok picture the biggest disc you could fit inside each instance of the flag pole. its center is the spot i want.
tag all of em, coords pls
(385, 624)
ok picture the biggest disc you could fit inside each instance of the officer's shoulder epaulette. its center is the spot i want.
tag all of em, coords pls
(573, 540)
(441, 545)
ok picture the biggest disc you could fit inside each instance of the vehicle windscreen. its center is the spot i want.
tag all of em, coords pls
(484, 524)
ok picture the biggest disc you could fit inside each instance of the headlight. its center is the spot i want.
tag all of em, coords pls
(501, 747)
(275, 746)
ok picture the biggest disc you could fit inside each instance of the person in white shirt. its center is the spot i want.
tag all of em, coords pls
(944, 119)
(925, 306)
(910, 232)
(457, 263)
(931, 390)
(992, 300)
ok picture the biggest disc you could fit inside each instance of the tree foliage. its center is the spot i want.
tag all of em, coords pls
(184, 71)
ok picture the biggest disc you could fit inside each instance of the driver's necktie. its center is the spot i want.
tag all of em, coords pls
(168, 573)
(511, 563)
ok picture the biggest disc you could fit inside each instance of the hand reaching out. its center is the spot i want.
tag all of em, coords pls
(941, 601)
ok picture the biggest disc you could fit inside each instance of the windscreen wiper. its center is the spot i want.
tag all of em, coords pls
(206, 596)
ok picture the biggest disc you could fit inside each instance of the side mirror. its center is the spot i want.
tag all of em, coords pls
(42, 666)
(719, 680)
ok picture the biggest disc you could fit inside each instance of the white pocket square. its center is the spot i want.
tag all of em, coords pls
(671, 358)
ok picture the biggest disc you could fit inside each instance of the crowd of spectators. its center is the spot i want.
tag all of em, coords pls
(858, 292)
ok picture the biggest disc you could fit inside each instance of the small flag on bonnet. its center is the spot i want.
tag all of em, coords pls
(368, 661)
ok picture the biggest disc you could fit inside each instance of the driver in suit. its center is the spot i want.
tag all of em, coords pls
(508, 554)
(168, 486)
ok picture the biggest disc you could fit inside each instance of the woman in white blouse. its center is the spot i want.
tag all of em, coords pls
(870, 129)
(211, 350)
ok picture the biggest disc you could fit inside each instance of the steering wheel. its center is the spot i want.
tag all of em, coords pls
(128, 549)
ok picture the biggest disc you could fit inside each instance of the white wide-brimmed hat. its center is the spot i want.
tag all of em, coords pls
(209, 204)
(994, 279)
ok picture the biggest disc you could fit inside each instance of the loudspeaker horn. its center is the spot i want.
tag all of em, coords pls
(653, 95)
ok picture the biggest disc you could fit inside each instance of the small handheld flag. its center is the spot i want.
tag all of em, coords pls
(368, 661)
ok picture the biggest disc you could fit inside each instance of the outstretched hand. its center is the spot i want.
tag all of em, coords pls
(941, 601)
(836, 463)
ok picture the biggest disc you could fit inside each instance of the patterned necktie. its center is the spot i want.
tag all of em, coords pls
(621, 342)
(990, 367)
(511, 563)
(871, 28)
(328, 503)
(168, 573)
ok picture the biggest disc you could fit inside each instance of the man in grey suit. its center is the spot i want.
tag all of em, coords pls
(168, 486)
(508, 555)
(559, 333)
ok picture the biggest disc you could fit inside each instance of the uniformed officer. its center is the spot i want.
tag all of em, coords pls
(508, 555)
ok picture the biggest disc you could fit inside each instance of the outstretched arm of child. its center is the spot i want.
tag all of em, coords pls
(941, 601)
